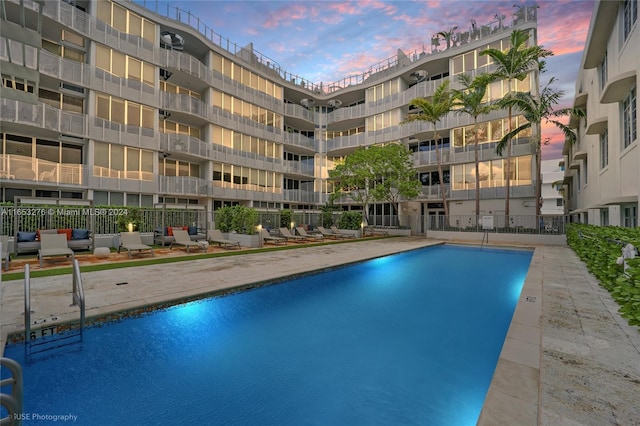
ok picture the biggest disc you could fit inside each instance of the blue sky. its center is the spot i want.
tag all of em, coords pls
(325, 41)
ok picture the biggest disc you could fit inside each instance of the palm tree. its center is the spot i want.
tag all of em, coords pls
(432, 110)
(472, 100)
(539, 110)
(514, 64)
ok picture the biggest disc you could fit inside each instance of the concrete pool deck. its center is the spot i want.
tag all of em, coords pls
(568, 359)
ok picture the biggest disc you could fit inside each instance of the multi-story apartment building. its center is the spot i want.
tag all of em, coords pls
(112, 102)
(552, 178)
(602, 177)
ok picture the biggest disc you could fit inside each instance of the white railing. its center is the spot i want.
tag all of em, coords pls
(19, 167)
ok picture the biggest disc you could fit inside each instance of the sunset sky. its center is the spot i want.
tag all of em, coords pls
(325, 41)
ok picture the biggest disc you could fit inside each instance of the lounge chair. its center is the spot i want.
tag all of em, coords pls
(335, 230)
(54, 245)
(6, 257)
(330, 234)
(289, 236)
(370, 231)
(181, 238)
(132, 241)
(301, 231)
(215, 236)
(267, 238)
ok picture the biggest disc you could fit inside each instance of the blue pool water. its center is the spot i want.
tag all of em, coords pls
(409, 339)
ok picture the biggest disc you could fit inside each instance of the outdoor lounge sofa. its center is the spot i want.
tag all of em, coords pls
(53, 245)
(215, 236)
(164, 236)
(77, 239)
(133, 241)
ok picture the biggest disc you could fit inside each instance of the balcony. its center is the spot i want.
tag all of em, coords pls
(103, 178)
(184, 104)
(177, 143)
(300, 196)
(243, 124)
(43, 116)
(434, 192)
(299, 111)
(181, 61)
(296, 167)
(182, 185)
(20, 168)
(299, 140)
(110, 131)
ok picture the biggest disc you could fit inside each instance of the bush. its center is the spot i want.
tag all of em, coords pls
(600, 248)
(240, 219)
(285, 218)
(350, 220)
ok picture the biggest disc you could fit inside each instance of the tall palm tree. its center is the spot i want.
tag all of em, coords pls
(514, 64)
(432, 110)
(539, 110)
(471, 100)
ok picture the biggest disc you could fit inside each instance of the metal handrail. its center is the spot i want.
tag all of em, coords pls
(27, 304)
(78, 292)
(12, 402)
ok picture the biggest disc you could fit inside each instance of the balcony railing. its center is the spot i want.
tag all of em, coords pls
(300, 140)
(19, 167)
(44, 116)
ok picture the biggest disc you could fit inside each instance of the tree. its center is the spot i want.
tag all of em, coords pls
(539, 110)
(471, 100)
(432, 110)
(377, 173)
(513, 64)
(396, 177)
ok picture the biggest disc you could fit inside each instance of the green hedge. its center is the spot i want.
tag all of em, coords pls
(599, 248)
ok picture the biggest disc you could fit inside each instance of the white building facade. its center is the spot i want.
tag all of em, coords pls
(602, 176)
(552, 198)
(112, 102)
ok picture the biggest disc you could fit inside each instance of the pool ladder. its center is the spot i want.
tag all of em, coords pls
(485, 236)
(12, 402)
(77, 299)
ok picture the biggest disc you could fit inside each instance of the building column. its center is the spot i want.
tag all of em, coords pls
(615, 219)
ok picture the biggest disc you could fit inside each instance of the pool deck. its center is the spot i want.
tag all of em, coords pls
(568, 359)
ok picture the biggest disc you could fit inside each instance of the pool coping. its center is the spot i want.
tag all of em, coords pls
(514, 395)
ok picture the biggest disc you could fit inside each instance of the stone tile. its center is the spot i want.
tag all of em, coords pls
(521, 352)
(504, 409)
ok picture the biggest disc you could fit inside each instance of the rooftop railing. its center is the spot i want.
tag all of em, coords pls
(450, 39)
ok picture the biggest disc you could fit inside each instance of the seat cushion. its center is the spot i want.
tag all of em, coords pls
(80, 234)
(67, 231)
(24, 237)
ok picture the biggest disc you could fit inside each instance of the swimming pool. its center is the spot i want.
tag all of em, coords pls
(406, 339)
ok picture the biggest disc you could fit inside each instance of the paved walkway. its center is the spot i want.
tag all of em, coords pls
(569, 359)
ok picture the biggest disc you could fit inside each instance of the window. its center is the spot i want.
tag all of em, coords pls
(629, 119)
(559, 202)
(630, 216)
(604, 149)
(122, 162)
(630, 16)
(114, 109)
(604, 217)
(603, 71)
